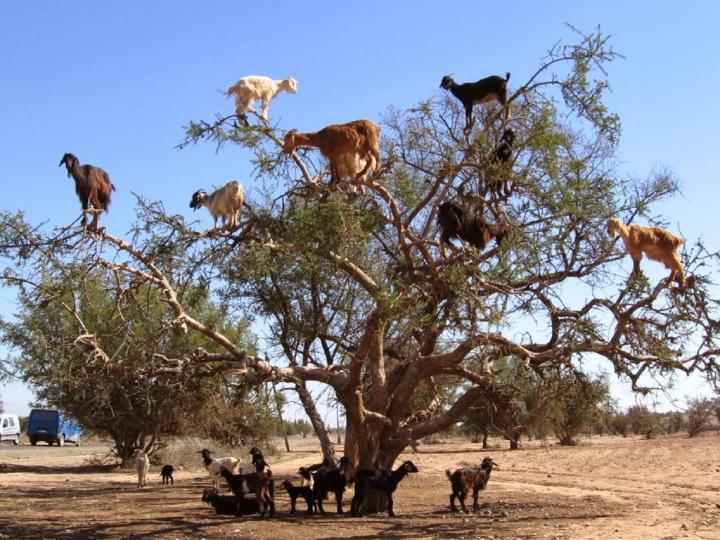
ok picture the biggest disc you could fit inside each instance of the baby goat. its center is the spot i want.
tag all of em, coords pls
(657, 243)
(455, 222)
(92, 185)
(367, 479)
(167, 474)
(253, 87)
(360, 137)
(299, 491)
(493, 88)
(469, 478)
(224, 203)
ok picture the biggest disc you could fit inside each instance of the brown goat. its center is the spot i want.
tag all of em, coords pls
(657, 243)
(469, 479)
(361, 137)
(92, 185)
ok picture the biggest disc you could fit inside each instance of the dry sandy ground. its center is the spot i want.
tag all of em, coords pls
(607, 488)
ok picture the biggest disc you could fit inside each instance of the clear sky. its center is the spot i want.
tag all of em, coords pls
(114, 82)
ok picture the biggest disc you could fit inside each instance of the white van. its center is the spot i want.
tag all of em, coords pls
(9, 428)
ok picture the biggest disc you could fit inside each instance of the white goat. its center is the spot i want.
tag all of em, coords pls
(224, 203)
(253, 87)
(214, 465)
(142, 465)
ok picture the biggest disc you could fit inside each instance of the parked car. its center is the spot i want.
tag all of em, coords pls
(9, 428)
(52, 426)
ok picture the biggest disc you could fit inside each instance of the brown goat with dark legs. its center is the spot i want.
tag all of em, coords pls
(361, 137)
(469, 479)
(92, 185)
(657, 243)
(456, 222)
(487, 90)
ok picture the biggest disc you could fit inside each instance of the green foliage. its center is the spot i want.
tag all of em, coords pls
(113, 377)
(575, 403)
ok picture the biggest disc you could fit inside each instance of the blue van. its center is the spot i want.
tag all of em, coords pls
(52, 426)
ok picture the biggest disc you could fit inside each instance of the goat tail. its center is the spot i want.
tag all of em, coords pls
(507, 76)
(448, 474)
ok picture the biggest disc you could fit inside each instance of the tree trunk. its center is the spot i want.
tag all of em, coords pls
(316, 420)
(485, 440)
(375, 502)
(514, 443)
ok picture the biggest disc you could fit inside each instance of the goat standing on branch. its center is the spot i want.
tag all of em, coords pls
(456, 222)
(92, 185)
(493, 88)
(224, 203)
(253, 87)
(499, 178)
(360, 137)
(657, 243)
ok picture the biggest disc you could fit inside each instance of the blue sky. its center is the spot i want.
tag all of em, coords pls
(114, 82)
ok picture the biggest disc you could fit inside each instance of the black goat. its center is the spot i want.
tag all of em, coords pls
(92, 185)
(367, 479)
(230, 504)
(167, 474)
(299, 491)
(223, 504)
(330, 478)
(256, 483)
(493, 88)
(499, 180)
(455, 222)
(469, 478)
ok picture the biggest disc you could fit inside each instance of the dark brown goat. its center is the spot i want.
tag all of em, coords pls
(92, 185)
(499, 176)
(456, 222)
(493, 88)
(467, 479)
(256, 483)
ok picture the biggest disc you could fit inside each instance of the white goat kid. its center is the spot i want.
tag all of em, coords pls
(224, 203)
(142, 465)
(253, 87)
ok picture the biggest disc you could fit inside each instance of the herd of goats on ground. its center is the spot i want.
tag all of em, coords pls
(253, 487)
(353, 152)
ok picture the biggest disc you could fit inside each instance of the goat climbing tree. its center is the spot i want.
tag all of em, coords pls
(356, 295)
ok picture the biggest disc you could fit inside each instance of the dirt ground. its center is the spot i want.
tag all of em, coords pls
(607, 488)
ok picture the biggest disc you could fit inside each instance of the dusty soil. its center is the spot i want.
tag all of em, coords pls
(607, 488)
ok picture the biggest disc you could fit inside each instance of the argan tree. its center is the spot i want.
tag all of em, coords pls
(99, 354)
(356, 294)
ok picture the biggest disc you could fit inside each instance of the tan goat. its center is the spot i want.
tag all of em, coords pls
(657, 243)
(224, 203)
(359, 137)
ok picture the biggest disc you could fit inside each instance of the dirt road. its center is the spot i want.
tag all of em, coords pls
(607, 488)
